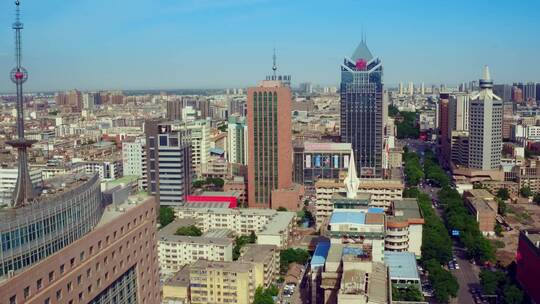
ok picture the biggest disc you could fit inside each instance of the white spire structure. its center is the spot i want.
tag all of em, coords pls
(352, 182)
(486, 87)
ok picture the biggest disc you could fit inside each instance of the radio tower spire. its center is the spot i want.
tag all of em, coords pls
(24, 190)
(274, 67)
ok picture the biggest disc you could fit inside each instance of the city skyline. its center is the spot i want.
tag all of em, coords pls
(202, 44)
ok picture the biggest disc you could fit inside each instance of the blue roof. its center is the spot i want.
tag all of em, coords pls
(320, 254)
(358, 218)
(355, 251)
(402, 265)
(217, 151)
(375, 210)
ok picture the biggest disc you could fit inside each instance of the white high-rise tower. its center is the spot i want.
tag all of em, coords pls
(485, 126)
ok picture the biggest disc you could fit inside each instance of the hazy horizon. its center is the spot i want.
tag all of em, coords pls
(206, 44)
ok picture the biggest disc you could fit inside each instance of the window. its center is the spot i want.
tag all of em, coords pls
(88, 272)
(69, 286)
(51, 276)
(106, 260)
(59, 294)
(47, 301)
(99, 245)
(72, 262)
(13, 300)
(91, 250)
(90, 289)
(26, 292)
(97, 266)
(62, 269)
(80, 296)
(39, 284)
(81, 256)
(79, 280)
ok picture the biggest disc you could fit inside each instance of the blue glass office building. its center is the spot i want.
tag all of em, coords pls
(361, 110)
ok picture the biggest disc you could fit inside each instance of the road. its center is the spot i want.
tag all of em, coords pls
(467, 275)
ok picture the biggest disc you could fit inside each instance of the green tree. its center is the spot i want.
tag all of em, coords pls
(491, 280)
(408, 293)
(525, 191)
(392, 110)
(189, 231)
(292, 255)
(503, 194)
(262, 297)
(166, 216)
(444, 283)
(241, 241)
(512, 294)
(223, 128)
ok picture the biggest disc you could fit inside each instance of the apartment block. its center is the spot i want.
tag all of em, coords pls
(270, 226)
(221, 282)
(176, 251)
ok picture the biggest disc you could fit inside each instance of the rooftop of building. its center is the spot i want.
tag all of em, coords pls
(257, 253)
(123, 180)
(180, 278)
(406, 209)
(533, 235)
(480, 205)
(396, 183)
(378, 284)
(215, 236)
(237, 267)
(320, 254)
(278, 222)
(359, 217)
(402, 265)
(480, 193)
(348, 217)
(53, 189)
(327, 147)
(113, 211)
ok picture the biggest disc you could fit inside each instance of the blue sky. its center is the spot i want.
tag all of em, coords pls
(160, 44)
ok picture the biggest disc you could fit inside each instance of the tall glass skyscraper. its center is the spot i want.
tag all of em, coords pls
(362, 109)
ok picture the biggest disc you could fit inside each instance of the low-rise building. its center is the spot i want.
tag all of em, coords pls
(270, 226)
(221, 282)
(404, 227)
(483, 207)
(176, 288)
(403, 269)
(265, 260)
(176, 251)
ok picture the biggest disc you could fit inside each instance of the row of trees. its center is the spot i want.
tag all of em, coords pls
(413, 168)
(458, 218)
(407, 127)
(436, 249)
(433, 171)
